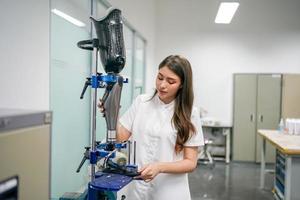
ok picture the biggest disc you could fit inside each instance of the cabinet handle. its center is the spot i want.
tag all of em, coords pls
(261, 118)
(251, 117)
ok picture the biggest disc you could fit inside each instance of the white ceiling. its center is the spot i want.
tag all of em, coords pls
(257, 14)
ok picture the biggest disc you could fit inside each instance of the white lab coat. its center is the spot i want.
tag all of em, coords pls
(149, 121)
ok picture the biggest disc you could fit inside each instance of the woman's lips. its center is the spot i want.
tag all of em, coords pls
(162, 92)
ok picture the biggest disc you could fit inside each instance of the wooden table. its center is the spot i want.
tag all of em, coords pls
(289, 146)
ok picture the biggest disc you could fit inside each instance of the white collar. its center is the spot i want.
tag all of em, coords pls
(161, 103)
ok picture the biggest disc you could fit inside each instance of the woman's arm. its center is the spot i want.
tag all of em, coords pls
(122, 133)
(187, 164)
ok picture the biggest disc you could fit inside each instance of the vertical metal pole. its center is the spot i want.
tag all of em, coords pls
(133, 65)
(263, 164)
(93, 61)
(144, 65)
(94, 110)
(134, 152)
(129, 151)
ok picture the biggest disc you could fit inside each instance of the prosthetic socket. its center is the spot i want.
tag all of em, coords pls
(110, 34)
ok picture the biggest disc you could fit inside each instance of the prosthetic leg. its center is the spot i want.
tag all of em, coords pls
(110, 44)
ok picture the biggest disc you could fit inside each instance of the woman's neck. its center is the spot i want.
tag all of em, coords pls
(166, 101)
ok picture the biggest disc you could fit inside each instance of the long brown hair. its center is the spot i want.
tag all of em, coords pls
(184, 98)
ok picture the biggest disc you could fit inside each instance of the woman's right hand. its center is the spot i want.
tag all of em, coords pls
(100, 105)
(150, 171)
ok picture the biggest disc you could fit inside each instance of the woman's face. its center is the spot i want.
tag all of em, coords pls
(167, 84)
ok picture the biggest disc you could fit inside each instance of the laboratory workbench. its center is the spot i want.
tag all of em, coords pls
(287, 166)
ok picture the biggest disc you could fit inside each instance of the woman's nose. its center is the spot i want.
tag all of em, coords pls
(163, 84)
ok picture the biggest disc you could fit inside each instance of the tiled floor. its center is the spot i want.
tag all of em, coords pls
(234, 181)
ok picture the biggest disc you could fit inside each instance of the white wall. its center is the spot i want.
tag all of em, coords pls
(263, 37)
(24, 50)
(141, 14)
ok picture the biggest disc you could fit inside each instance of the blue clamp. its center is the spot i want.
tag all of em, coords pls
(99, 154)
(109, 78)
(93, 157)
(117, 145)
(102, 153)
(120, 145)
(95, 82)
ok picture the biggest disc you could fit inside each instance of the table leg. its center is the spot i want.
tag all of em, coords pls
(288, 177)
(263, 164)
(227, 134)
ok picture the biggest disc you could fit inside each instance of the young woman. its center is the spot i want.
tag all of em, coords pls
(167, 131)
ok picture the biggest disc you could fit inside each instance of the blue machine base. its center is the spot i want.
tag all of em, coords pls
(110, 181)
(106, 185)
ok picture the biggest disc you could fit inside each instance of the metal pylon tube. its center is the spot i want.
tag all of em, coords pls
(94, 111)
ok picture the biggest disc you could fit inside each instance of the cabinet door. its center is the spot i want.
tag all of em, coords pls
(291, 96)
(268, 110)
(244, 117)
(20, 150)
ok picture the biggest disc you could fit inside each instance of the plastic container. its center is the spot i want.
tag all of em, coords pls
(281, 126)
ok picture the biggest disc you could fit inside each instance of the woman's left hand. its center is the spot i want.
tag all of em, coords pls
(148, 172)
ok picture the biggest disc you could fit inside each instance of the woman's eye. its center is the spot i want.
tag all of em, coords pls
(160, 78)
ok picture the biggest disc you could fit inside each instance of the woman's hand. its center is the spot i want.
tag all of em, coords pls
(101, 107)
(148, 172)
(186, 165)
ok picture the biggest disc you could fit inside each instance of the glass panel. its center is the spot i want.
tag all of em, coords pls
(71, 116)
(127, 72)
(139, 66)
(100, 10)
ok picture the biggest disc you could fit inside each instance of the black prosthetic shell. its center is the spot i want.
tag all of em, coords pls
(109, 30)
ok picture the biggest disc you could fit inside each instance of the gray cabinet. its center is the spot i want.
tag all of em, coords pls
(25, 138)
(257, 100)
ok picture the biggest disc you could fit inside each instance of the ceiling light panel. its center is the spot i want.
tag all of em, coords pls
(68, 17)
(226, 12)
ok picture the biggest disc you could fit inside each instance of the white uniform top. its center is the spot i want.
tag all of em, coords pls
(149, 121)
